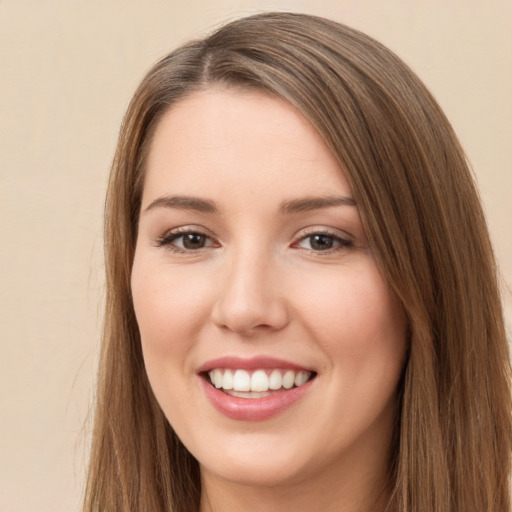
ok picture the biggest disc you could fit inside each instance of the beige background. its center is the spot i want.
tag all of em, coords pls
(67, 70)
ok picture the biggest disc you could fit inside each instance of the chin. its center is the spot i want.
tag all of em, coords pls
(259, 471)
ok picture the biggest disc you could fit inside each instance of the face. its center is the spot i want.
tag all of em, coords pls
(270, 338)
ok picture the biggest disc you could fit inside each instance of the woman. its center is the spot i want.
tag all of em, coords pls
(302, 303)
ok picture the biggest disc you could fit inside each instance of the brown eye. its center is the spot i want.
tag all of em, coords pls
(188, 241)
(193, 241)
(323, 242)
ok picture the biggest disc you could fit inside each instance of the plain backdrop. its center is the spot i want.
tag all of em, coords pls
(67, 71)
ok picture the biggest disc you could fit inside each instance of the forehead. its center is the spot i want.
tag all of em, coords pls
(218, 140)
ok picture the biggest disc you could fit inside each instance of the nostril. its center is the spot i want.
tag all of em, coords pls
(251, 323)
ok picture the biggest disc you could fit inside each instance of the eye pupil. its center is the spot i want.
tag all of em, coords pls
(194, 241)
(321, 242)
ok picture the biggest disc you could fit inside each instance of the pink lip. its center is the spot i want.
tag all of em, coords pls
(251, 409)
(251, 363)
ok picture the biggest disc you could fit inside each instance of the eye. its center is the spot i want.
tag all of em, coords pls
(186, 241)
(323, 242)
(191, 241)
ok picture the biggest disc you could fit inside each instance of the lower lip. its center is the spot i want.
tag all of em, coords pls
(253, 409)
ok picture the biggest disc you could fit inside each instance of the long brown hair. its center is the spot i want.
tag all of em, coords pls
(423, 217)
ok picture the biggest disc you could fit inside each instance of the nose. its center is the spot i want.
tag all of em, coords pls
(251, 297)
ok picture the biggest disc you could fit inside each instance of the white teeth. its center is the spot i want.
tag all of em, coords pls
(301, 378)
(258, 383)
(275, 380)
(241, 381)
(227, 382)
(217, 378)
(288, 379)
(248, 394)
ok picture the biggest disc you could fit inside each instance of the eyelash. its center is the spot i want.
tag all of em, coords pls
(338, 242)
(168, 239)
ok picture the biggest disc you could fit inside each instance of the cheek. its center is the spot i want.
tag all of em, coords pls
(357, 321)
(360, 326)
(169, 307)
(169, 313)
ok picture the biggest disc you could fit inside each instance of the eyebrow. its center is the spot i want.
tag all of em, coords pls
(185, 203)
(315, 203)
(304, 204)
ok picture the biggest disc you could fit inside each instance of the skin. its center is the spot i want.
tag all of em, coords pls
(256, 284)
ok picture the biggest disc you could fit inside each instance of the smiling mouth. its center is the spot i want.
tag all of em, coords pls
(258, 383)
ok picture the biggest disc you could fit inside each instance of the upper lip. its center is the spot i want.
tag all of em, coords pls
(250, 363)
